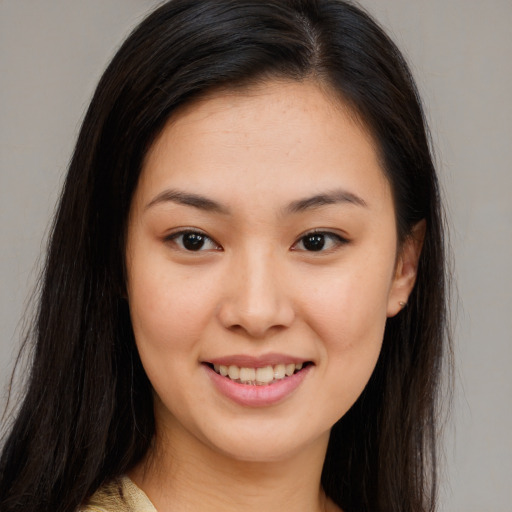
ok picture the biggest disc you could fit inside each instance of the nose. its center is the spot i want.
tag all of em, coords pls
(258, 299)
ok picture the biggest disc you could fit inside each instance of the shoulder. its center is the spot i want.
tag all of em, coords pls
(119, 495)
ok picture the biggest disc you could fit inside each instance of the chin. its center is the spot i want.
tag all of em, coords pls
(264, 442)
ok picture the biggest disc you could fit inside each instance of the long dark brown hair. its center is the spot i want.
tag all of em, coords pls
(87, 413)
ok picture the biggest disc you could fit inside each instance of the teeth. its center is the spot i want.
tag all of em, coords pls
(247, 374)
(258, 376)
(279, 371)
(289, 369)
(264, 375)
(234, 372)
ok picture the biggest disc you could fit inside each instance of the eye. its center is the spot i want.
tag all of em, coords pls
(193, 241)
(317, 241)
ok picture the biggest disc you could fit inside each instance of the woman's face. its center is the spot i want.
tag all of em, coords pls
(262, 264)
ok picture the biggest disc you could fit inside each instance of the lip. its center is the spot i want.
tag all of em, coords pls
(249, 395)
(247, 361)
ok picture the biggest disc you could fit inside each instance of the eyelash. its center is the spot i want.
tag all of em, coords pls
(336, 240)
(201, 238)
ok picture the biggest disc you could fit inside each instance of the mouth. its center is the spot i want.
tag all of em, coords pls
(261, 376)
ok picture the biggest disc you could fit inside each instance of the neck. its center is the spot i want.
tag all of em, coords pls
(187, 475)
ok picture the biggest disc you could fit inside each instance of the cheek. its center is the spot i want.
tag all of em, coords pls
(168, 316)
(168, 311)
(349, 309)
(349, 316)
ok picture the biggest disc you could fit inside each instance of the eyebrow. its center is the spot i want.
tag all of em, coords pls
(301, 205)
(333, 197)
(188, 199)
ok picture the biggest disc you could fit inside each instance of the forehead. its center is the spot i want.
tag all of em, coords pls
(291, 135)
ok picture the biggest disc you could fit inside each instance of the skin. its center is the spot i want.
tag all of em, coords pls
(255, 289)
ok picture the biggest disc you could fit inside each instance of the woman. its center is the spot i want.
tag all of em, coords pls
(243, 304)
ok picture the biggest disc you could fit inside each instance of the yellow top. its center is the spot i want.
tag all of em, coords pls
(120, 495)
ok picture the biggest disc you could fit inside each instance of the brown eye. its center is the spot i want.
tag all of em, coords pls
(193, 241)
(314, 242)
(317, 241)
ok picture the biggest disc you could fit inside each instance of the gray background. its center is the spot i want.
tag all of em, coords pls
(51, 55)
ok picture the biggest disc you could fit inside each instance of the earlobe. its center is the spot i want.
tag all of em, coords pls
(406, 269)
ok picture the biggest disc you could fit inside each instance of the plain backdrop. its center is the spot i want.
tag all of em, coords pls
(51, 55)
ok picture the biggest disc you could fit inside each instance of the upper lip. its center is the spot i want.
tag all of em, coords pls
(246, 361)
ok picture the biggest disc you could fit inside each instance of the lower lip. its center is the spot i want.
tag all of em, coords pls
(257, 396)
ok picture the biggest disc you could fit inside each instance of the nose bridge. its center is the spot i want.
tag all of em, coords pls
(258, 300)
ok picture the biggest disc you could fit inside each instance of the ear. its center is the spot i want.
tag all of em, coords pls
(406, 269)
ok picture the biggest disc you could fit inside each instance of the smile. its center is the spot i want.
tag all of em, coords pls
(258, 382)
(263, 376)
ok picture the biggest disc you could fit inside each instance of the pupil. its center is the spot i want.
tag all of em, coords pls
(193, 241)
(314, 242)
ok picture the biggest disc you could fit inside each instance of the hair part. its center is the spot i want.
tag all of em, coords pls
(87, 415)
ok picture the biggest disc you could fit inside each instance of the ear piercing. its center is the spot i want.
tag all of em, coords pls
(402, 304)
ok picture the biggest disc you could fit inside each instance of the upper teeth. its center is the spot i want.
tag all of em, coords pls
(257, 376)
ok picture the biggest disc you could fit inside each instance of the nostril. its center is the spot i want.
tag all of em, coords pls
(255, 312)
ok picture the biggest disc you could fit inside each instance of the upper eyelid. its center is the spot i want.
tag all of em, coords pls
(183, 231)
(339, 241)
(327, 232)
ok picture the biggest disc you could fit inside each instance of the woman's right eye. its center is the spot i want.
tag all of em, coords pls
(193, 241)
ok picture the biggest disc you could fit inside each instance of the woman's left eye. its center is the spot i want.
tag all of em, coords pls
(193, 241)
(318, 241)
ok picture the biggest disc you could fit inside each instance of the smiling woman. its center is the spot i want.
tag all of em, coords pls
(272, 290)
(250, 208)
